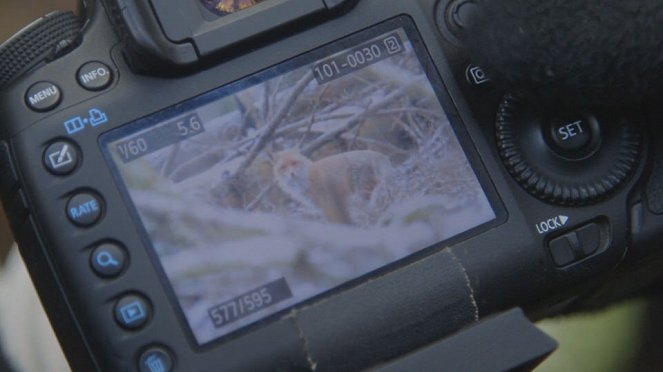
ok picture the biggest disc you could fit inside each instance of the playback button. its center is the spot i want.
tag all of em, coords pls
(132, 312)
(61, 158)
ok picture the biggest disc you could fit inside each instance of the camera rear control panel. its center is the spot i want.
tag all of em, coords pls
(175, 223)
(576, 160)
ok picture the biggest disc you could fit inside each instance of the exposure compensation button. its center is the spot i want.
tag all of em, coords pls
(85, 209)
(95, 76)
(43, 96)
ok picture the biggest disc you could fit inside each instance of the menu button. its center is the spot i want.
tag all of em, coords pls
(43, 96)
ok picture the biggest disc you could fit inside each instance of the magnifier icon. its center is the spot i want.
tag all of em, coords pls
(105, 259)
(108, 260)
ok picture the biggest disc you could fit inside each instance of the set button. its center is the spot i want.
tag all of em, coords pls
(132, 312)
(43, 96)
(575, 137)
(85, 209)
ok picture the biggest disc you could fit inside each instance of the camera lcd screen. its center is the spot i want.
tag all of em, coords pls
(226, 7)
(302, 178)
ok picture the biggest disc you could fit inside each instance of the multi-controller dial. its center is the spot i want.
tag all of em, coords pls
(566, 157)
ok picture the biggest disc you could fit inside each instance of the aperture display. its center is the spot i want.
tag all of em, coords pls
(156, 138)
(266, 193)
(226, 7)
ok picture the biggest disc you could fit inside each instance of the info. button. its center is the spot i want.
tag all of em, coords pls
(95, 76)
(85, 209)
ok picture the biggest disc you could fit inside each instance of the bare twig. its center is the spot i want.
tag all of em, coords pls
(272, 96)
(353, 122)
(375, 143)
(414, 134)
(169, 164)
(273, 124)
(414, 125)
(258, 199)
(414, 110)
(314, 113)
(196, 165)
(265, 104)
(306, 123)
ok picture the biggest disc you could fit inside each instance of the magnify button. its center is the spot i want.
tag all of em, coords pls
(105, 259)
(108, 260)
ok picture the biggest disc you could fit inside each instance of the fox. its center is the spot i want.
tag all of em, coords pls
(329, 183)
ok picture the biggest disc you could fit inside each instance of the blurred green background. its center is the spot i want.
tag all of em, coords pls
(625, 337)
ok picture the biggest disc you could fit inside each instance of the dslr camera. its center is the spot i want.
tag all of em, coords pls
(210, 185)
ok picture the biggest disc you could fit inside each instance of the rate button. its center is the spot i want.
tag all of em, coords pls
(85, 209)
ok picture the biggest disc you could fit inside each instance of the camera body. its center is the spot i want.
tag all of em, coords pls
(307, 185)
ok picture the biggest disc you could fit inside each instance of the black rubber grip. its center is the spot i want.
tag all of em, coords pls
(39, 41)
(654, 189)
(8, 175)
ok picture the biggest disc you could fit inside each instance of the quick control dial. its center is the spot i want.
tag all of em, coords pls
(566, 157)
